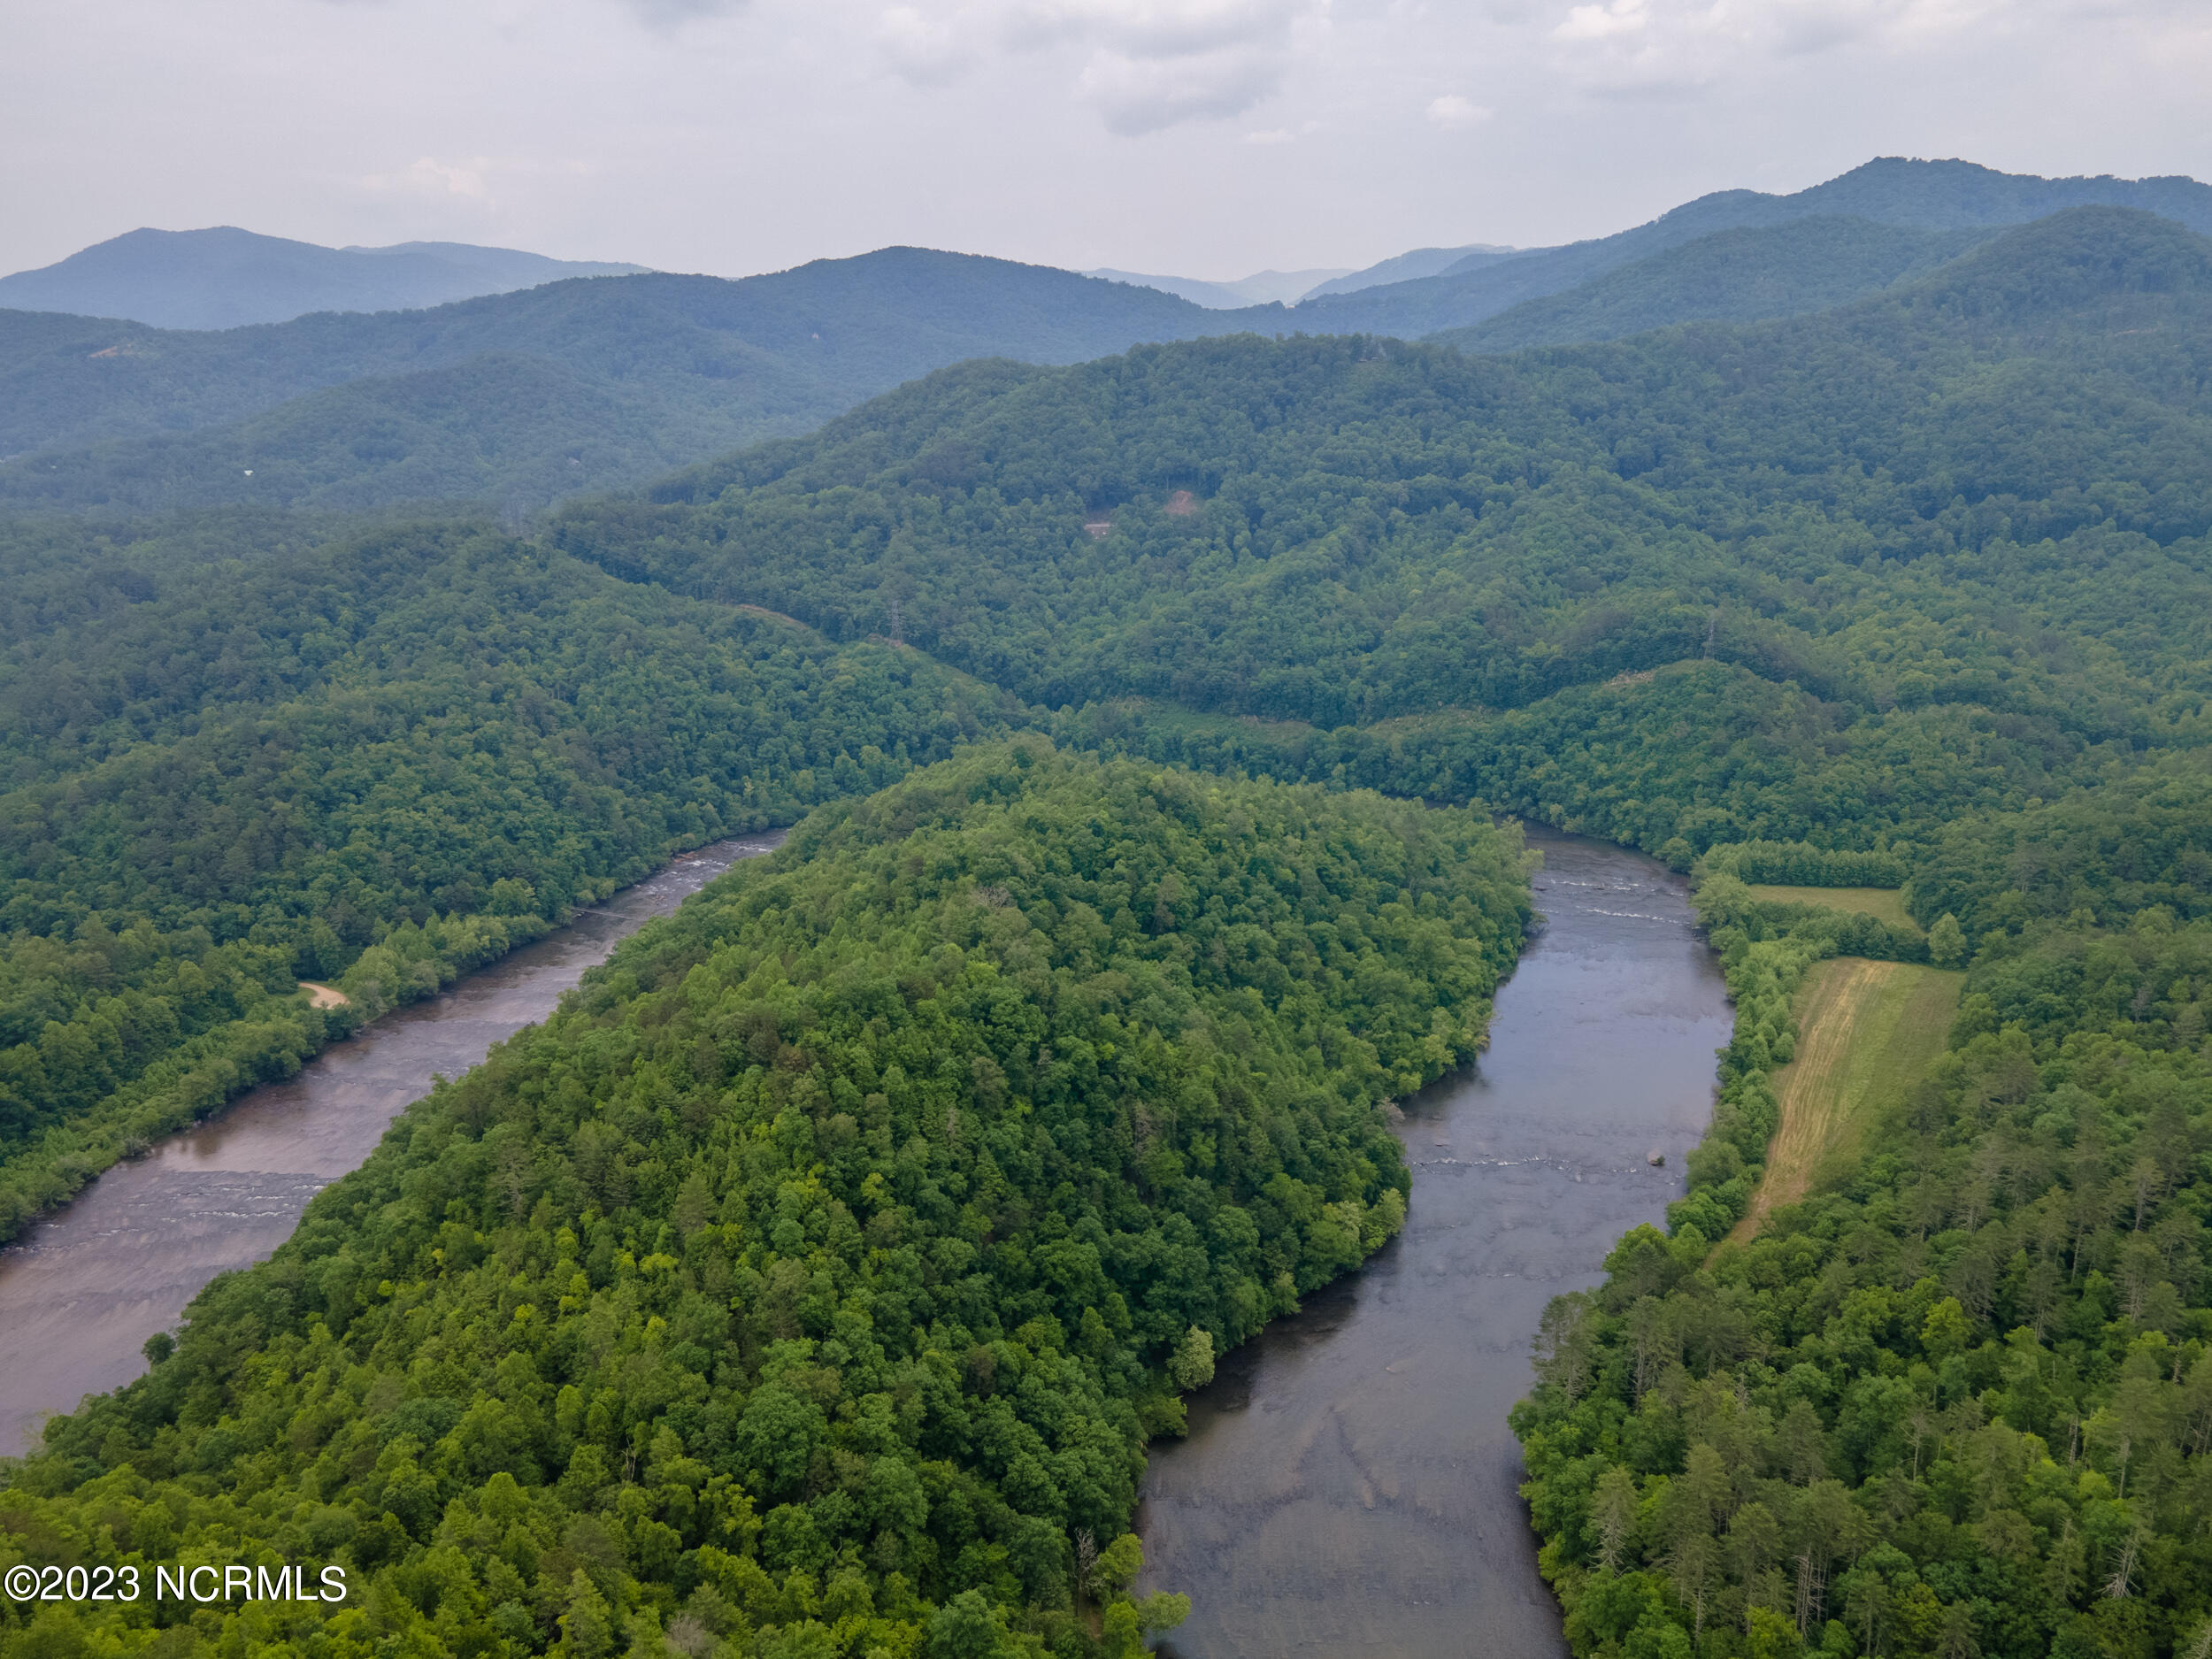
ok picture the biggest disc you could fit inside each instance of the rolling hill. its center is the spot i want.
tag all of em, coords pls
(1364, 541)
(492, 397)
(1262, 287)
(684, 1322)
(1928, 196)
(1745, 275)
(522, 399)
(225, 277)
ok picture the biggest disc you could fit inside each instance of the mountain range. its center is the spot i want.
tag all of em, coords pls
(226, 278)
(814, 1282)
(522, 398)
(1929, 196)
(1262, 287)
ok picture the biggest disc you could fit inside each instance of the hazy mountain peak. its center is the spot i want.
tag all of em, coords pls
(1414, 265)
(1262, 287)
(1892, 191)
(1949, 195)
(2073, 261)
(223, 277)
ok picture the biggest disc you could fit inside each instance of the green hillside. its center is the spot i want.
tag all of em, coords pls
(1810, 264)
(519, 397)
(517, 400)
(1928, 196)
(376, 757)
(1491, 548)
(838, 1247)
(1913, 593)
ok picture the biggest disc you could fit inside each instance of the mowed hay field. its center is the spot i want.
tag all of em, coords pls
(1884, 904)
(1866, 1029)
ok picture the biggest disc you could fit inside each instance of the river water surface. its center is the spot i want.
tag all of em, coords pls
(81, 1292)
(1349, 1483)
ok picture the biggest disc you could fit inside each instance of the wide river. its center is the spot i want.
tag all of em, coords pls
(81, 1292)
(1348, 1485)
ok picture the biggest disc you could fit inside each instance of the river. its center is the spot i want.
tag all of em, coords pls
(1348, 1485)
(83, 1289)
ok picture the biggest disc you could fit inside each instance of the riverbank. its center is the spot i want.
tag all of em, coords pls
(1350, 1484)
(86, 1286)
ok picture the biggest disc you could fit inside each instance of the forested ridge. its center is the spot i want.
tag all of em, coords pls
(1910, 591)
(518, 399)
(1889, 190)
(1741, 275)
(810, 1283)
(1839, 578)
(379, 758)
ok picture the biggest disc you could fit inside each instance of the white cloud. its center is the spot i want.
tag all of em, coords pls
(1149, 64)
(1272, 135)
(1452, 113)
(1642, 46)
(924, 52)
(1136, 95)
(1599, 22)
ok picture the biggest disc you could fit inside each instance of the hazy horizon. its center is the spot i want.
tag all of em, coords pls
(1203, 138)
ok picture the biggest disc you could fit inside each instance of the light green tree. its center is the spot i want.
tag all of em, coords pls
(1191, 1365)
(1946, 942)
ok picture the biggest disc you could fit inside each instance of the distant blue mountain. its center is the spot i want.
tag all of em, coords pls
(1262, 287)
(526, 396)
(225, 278)
(1412, 267)
(1929, 196)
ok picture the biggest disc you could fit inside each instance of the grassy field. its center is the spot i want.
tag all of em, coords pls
(1866, 1029)
(1879, 903)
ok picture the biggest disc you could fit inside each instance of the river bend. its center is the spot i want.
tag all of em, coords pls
(1348, 1485)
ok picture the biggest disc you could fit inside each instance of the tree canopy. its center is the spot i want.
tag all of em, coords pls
(810, 1283)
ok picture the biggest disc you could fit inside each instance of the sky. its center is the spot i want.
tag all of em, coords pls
(1208, 138)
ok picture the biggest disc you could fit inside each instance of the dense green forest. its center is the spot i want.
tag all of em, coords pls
(1958, 1404)
(810, 1283)
(1808, 265)
(518, 398)
(1890, 190)
(1914, 590)
(246, 750)
(1655, 588)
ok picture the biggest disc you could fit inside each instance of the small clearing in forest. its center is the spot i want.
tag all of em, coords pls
(323, 995)
(1866, 1029)
(1884, 904)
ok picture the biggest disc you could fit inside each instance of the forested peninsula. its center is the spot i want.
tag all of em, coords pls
(1224, 655)
(812, 1282)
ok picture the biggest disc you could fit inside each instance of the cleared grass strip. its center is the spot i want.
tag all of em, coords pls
(1882, 903)
(1866, 1030)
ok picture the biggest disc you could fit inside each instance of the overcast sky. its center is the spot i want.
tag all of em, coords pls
(1198, 137)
